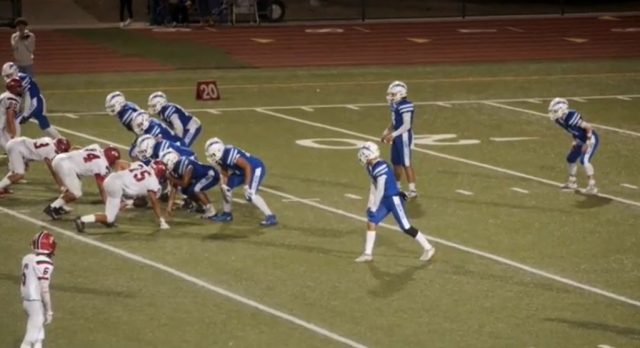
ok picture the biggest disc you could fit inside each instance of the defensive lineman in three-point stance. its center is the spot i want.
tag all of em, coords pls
(384, 198)
(585, 143)
(37, 268)
(400, 135)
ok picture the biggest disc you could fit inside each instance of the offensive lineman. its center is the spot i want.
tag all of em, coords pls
(135, 180)
(399, 134)
(384, 198)
(37, 268)
(185, 125)
(89, 161)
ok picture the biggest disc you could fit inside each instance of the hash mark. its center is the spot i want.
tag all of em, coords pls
(624, 98)
(306, 108)
(517, 189)
(301, 200)
(349, 195)
(352, 107)
(464, 192)
(629, 186)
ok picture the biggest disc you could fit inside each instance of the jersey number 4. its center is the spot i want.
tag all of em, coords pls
(90, 157)
(140, 175)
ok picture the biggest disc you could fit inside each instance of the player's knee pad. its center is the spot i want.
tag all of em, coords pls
(588, 168)
(411, 231)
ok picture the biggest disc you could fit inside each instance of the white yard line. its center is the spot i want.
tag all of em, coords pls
(212, 111)
(301, 200)
(352, 107)
(186, 277)
(579, 100)
(463, 192)
(70, 115)
(531, 112)
(444, 104)
(624, 98)
(442, 155)
(629, 186)
(295, 320)
(288, 107)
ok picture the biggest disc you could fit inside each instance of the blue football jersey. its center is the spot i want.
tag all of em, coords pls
(125, 115)
(230, 156)
(571, 123)
(200, 171)
(158, 129)
(381, 168)
(29, 85)
(397, 110)
(163, 145)
(167, 112)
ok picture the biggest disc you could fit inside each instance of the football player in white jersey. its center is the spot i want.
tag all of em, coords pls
(135, 181)
(9, 106)
(37, 268)
(22, 150)
(71, 166)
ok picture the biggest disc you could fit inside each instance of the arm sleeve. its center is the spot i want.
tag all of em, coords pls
(406, 124)
(372, 195)
(177, 126)
(26, 100)
(379, 192)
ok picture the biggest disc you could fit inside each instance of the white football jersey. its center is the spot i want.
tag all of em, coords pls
(88, 161)
(33, 149)
(36, 275)
(136, 181)
(7, 101)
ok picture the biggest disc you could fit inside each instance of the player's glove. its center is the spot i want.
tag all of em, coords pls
(371, 214)
(248, 193)
(226, 193)
(48, 318)
(22, 119)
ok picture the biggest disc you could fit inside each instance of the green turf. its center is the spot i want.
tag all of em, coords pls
(172, 53)
(304, 266)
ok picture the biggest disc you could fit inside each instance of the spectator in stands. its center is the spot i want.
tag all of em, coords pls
(205, 11)
(126, 4)
(23, 43)
(179, 10)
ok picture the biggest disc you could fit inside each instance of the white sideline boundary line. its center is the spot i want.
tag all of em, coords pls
(531, 112)
(295, 320)
(212, 110)
(442, 155)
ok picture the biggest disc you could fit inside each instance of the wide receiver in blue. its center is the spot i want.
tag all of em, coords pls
(384, 199)
(399, 134)
(238, 168)
(585, 143)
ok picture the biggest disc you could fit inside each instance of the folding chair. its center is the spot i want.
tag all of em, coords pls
(249, 7)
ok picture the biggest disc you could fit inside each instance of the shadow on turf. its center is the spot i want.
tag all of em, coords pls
(628, 332)
(476, 201)
(73, 289)
(592, 201)
(390, 283)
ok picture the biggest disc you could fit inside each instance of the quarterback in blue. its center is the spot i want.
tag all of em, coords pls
(185, 125)
(193, 177)
(116, 105)
(34, 105)
(584, 146)
(384, 199)
(238, 168)
(399, 134)
(143, 124)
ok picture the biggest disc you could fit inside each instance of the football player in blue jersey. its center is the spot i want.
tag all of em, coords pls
(150, 148)
(399, 134)
(143, 124)
(238, 168)
(585, 142)
(185, 125)
(384, 199)
(116, 105)
(34, 105)
(193, 177)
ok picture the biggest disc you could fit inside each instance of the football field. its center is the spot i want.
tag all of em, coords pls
(520, 263)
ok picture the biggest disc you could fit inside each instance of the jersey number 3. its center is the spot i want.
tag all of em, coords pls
(38, 145)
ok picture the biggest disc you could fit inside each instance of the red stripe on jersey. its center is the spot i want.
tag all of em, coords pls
(99, 178)
(43, 278)
(44, 262)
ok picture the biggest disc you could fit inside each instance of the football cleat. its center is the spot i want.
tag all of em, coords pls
(269, 220)
(222, 217)
(365, 258)
(428, 254)
(571, 185)
(51, 212)
(412, 194)
(590, 190)
(79, 224)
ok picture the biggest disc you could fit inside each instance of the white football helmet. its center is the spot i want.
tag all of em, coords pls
(368, 151)
(558, 108)
(114, 102)
(156, 101)
(144, 147)
(9, 71)
(213, 149)
(397, 91)
(140, 122)
(169, 158)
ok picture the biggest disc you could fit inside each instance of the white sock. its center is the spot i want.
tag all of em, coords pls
(588, 168)
(58, 203)
(592, 182)
(5, 182)
(399, 183)
(573, 169)
(209, 209)
(412, 186)
(261, 204)
(369, 242)
(88, 218)
(52, 133)
(226, 206)
(424, 243)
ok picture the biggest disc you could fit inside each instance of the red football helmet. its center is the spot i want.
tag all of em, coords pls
(112, 154)
(14, 86)
(159, 168)
(44, 243)
(62, 145)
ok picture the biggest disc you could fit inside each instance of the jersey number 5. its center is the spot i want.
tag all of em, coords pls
(90, 157)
